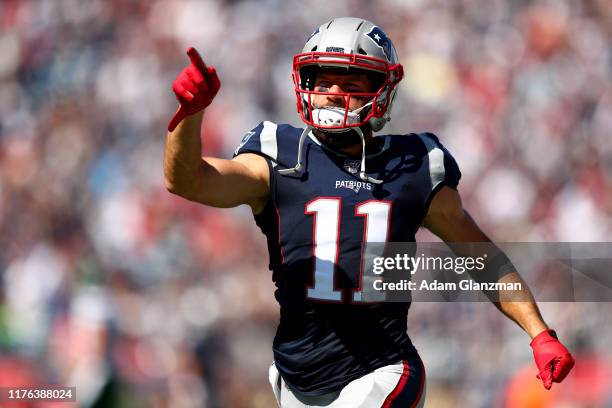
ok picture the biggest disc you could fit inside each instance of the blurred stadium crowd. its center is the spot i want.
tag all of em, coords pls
(141, 299)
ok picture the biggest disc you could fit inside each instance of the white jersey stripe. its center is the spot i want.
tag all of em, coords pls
(269, 147)
(436, 161)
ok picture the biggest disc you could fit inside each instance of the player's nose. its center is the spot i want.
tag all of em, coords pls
(333, 96)
(335, 88)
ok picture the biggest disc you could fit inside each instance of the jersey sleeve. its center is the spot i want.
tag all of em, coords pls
(443, 168)
(260, 140)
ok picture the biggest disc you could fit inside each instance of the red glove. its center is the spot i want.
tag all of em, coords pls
(195, 88)
(552, 358)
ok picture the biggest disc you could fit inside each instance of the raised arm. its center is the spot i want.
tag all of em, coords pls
(448, 219)
(207, 180)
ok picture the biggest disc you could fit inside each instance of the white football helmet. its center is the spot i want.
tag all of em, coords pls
(358, 46)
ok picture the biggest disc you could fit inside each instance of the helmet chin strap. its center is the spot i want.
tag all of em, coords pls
(362, 171)
(298, 169)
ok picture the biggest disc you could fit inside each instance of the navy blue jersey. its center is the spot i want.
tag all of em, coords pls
(317, 226)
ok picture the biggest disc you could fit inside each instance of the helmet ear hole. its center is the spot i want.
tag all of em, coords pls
(308, 75)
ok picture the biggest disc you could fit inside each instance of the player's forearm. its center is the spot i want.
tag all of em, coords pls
(517, 304)
(183, 155)
(523, 311)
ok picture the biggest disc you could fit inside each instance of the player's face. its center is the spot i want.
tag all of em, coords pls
(334, 82)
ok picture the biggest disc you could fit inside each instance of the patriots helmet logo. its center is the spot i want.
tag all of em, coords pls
(380, 38)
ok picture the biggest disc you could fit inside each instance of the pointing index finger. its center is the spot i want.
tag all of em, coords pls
(196, 59)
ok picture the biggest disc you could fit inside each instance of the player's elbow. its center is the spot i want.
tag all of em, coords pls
(189, 192)
(176, 182)
(170, 182)
(172, 188)
(186, 194)
(178, 189)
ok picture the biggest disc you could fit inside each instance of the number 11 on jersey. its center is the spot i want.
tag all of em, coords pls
(326, 234)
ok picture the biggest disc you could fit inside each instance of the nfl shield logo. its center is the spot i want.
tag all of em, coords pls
(352, 166)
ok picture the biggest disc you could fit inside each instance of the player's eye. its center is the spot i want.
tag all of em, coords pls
(353, 89)
(323, 86)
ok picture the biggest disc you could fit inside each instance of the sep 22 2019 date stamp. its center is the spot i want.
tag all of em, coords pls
(38, 393)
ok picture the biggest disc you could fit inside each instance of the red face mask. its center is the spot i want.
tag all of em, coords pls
(342, 118)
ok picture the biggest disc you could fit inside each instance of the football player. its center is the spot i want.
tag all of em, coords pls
(322, 193)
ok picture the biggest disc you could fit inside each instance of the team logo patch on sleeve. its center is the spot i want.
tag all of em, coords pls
(380, 38)
(244, 141)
